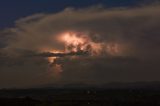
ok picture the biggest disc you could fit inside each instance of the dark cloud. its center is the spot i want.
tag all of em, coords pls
(101, 70)
(48, 54)
(136, 30)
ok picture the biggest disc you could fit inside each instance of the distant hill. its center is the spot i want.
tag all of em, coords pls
(113, 85)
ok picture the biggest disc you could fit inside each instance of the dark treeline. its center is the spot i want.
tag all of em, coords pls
(80, 97)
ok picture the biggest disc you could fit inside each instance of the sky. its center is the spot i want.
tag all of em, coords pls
(91, 42)
(12, 10)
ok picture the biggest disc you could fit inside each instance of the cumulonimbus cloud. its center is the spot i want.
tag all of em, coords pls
(135, 29)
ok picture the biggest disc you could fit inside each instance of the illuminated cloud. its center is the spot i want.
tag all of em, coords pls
(132, 33)
(137, 28)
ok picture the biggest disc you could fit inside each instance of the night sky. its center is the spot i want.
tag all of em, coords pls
(91, 42)
(12, 10)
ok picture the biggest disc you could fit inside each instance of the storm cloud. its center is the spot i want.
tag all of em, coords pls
(136, 30)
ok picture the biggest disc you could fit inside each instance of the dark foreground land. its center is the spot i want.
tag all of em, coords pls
(80, 97)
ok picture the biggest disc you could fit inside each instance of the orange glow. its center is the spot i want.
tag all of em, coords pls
(114, 49)
(51, 59)
(80, 42)
(77, 41)
(51, 50)
(73, 42)
(97, 48)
